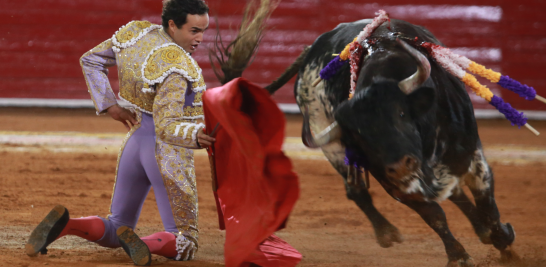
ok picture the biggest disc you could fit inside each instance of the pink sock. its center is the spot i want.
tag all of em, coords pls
(90, 228)
(162, 243)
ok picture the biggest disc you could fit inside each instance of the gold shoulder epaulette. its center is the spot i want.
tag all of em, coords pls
(170, 58)
(129, 34)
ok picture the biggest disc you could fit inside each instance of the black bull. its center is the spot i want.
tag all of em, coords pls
(421, 146)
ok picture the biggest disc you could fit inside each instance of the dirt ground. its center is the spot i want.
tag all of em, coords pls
(326, 227)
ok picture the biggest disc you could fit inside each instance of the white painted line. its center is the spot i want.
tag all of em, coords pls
(50, 103)
(87, 103)
(290, 108)
(72, 142)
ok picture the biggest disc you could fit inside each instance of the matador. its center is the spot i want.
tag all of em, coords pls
(164, 85)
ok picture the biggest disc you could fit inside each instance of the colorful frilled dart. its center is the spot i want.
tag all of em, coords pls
(525, 91)
(356, 55)
(335, 64)
(454, 64)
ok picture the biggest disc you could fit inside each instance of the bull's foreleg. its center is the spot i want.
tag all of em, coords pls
(434, 216)
(482, 186)
(385, 233)
(502, 235)
(460, 199)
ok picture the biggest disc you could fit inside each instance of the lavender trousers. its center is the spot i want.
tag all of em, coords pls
(137, 172)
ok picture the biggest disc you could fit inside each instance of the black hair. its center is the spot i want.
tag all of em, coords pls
(178, 11)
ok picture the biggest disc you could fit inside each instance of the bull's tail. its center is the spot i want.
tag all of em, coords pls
(234, 58)
(288, 73)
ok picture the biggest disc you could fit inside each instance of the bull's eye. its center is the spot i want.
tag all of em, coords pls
(402, 114)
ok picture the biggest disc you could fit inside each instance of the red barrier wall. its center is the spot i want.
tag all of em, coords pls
(41, 40)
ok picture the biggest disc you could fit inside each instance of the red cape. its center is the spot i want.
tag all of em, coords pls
(255, 186)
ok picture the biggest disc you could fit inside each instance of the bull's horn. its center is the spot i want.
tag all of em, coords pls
(420, 76)
(326, 136)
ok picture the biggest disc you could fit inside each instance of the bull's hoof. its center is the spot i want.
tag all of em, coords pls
(509, 255)
(485, 237)
(512, 233)
(468, 262)
(387, 235)
(503, 237)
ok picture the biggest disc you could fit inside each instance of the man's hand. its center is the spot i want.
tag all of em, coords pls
(204, 140)
(123, 115)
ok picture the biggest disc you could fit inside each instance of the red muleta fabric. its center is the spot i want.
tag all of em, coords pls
(255, 187)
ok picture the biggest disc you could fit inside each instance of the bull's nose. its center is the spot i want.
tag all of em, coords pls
(402, 168)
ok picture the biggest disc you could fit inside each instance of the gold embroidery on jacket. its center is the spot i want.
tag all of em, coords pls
(199, 83)
(177, 168)
(169, 109)
(198, 97)
(131, 85)
(171, 55)
(170, 58)
(193, 112)
(132, 30)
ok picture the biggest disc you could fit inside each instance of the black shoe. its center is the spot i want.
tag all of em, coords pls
(47, 231)
(134, 246)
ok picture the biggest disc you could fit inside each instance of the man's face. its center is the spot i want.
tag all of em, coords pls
(190, 35)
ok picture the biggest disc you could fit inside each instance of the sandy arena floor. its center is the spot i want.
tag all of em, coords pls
(56, 156)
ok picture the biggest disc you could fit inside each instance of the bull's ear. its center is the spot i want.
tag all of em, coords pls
(421, 100)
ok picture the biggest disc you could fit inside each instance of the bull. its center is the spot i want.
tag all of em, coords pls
(410, 123)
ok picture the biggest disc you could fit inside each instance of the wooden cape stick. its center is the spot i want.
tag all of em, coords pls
(212, 160)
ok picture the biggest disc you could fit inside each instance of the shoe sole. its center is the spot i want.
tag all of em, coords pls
(134, 246)
(47, 231)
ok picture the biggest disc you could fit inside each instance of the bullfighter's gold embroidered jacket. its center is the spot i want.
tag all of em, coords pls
(157, 77)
